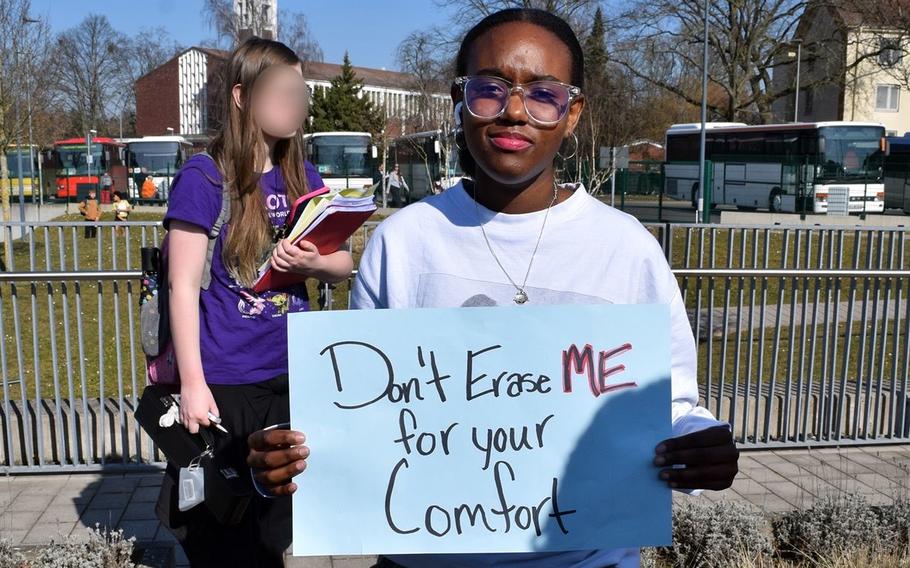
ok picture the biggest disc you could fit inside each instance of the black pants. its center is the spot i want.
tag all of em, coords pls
(91, 231)
(264, 533)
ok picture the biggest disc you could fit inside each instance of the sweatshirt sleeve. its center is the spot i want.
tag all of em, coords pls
(368, 291)
(194, 198)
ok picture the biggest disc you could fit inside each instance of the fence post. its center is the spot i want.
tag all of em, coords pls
(660, 195)
(706, 184)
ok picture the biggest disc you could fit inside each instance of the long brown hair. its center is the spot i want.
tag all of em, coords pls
(238, 148)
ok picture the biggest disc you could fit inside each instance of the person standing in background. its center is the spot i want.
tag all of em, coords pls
(122, 210)
(398, 188)
(107, 184)
(90, 209)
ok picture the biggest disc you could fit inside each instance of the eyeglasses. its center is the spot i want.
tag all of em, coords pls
(546, 102)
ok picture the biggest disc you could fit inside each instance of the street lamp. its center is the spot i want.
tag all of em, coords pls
(31, 156)
(702, 204)
(799, 56)
(89, 157)
(25, 20)
(19, 155)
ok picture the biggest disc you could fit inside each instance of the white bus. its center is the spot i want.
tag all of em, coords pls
(343, 159)
(152, 162)
(781, 167)
(427, 161)
(897, 173)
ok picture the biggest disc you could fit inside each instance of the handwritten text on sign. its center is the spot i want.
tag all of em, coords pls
(511, 429)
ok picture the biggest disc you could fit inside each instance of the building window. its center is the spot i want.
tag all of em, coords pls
(889, 51)
(887, 98)
(809, 95)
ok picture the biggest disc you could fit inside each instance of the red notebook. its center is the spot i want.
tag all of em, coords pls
(299, 205)
(334, 229)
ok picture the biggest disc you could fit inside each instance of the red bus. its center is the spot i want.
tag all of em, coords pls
(76, 170)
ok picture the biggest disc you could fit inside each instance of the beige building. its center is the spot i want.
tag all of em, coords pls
(852, 67)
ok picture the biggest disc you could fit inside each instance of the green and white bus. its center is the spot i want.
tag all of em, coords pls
(343, 159)
(781, 167)
(152, 163)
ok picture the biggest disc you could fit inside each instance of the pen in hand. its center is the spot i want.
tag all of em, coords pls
(217, 422)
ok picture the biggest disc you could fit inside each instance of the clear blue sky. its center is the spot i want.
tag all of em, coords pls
(370, 30)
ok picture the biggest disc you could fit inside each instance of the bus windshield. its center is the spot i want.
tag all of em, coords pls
(340, 156)
(851, 152)
(12, 163)
(73, 162)
(155, 158)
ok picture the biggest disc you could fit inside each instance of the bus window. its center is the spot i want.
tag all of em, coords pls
(774, 145)
(683, 147)
(12, 163)
(73, 158)
(343, 159)
(155, 158)
(851, 152)
(341, 156)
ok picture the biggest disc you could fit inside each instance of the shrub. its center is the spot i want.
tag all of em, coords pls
(102, 549)
(839, 524)
(895, 524)
(717, 535)
(9, 556)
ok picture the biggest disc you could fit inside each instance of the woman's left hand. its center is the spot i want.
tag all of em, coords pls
(303, 258)
(710, 457)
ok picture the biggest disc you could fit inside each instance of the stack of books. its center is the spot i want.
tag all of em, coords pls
(325, 218)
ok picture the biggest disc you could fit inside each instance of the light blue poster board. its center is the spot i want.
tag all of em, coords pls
(425, 425)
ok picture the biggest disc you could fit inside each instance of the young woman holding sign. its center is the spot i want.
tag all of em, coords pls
(510, 234)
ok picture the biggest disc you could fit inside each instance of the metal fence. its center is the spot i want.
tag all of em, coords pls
(803, 336)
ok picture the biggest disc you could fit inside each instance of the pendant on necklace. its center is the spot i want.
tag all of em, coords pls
(520, 297)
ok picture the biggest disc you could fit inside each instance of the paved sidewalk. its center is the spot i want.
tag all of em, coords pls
(37, 508)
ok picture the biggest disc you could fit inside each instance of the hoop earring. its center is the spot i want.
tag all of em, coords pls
(574, 151)
(457, 131)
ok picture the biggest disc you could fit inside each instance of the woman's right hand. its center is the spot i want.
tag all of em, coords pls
(196, 401)
(277, 456)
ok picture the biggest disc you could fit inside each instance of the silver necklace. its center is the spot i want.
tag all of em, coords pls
(521, 296)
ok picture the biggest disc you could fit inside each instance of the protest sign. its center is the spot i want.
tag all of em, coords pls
(502, 429)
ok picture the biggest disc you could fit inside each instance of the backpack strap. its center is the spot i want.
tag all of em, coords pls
(224, 217)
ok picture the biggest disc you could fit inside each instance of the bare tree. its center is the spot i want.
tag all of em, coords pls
(144, 52)
(294, 31)
(23, 87)
(219, 15)
(468, 12)
(749, 41)
(879, 40)
(747, 38)
(148, 49)
(90, 71)
(422, 56)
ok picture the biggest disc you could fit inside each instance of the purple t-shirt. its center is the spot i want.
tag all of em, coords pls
(242, 334)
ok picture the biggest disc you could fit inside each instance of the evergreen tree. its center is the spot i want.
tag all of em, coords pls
(343, 107)
(595, 51)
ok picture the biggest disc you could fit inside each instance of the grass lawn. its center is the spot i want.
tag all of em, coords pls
(103, 312)
(48, 318)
